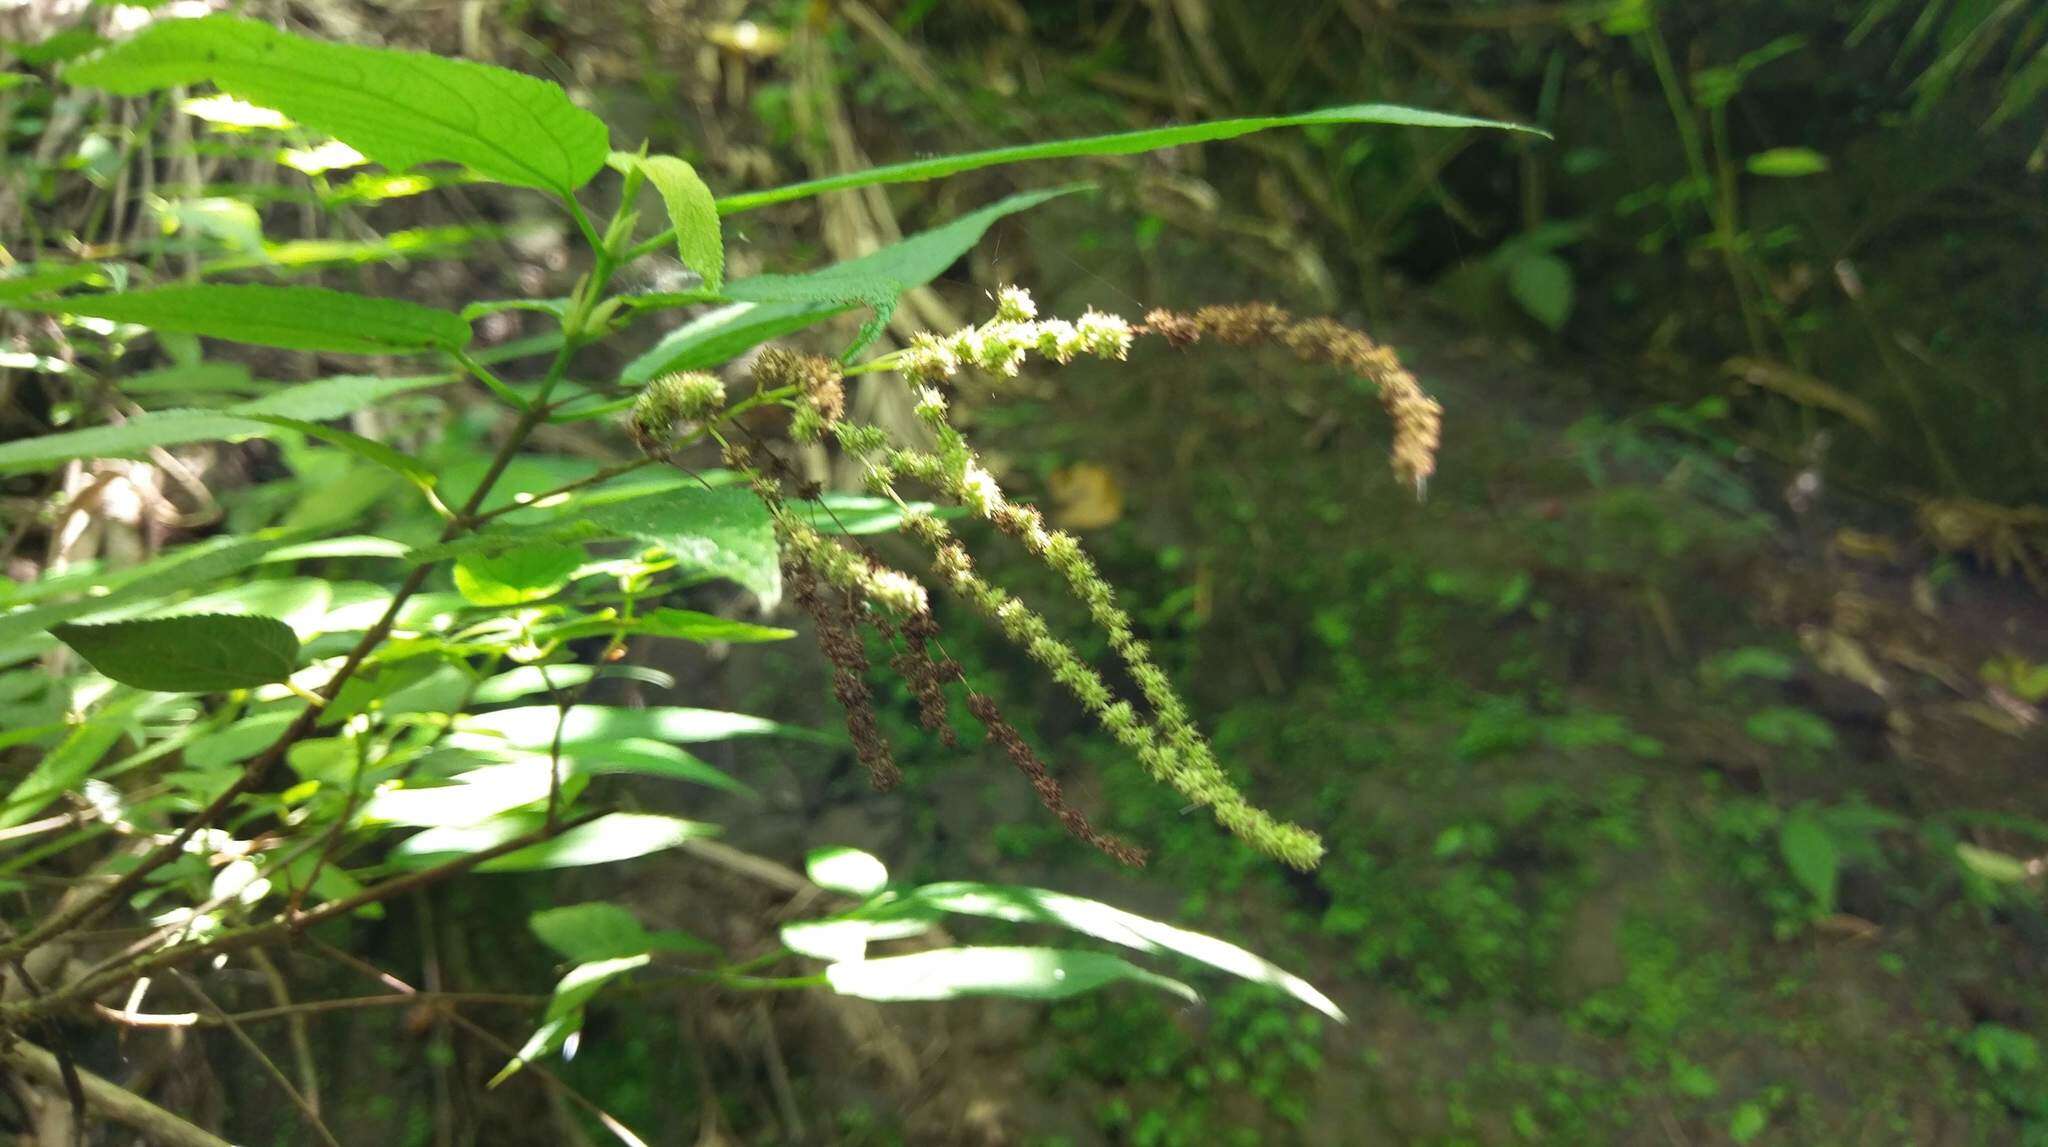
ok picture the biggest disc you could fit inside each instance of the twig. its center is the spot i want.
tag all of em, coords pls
(270, 1067)
(295, 1027)
(110, 1100)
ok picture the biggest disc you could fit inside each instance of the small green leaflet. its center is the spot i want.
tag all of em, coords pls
(196, 653)
(515, 577)
(1542, 284)
(691, 210)
(683, 624)
(397, 108)
(1811, 854)
(564, 1016)
(1024, 973)
(295, 318)
(1786, 163)
(1122, 143)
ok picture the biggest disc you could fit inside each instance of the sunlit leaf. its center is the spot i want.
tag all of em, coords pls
(717, 337)
(847, 870)
(691, 210)
(296, 318)
(613, 837)
(722, 533)
(1024, 973)
(398, 108)
(515, 577)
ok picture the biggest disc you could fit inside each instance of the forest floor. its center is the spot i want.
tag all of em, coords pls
(1644, 792)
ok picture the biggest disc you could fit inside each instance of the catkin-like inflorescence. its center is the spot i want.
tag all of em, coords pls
(671, 403)
(1417, 419)
(819, 384)
(834, 613)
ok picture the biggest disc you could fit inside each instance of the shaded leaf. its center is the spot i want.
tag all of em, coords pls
(1811, 854)
(296, 318)
(600, 930)
(1786, 163)
(1542, 286)
(196, 653)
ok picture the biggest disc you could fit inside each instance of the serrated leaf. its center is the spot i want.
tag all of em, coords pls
(517, 576)
(1121, 143)
(295, 318)
(398, 108)
(1023, 973)
(196, 653)
(847, 870)
(722, 532)
(691, 209)
(717, 337)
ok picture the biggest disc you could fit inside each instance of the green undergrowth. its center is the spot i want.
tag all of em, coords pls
(1588, 848)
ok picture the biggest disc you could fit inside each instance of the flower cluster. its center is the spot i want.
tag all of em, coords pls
(671, 403)
(849, 591)
(1000, 346)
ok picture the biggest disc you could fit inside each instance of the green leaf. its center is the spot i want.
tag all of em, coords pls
(1024, 973)
(368, 449)
(720, 336)
(564, 1016)
(837, 941)
(397, 108)
(1121, 143)
(196, 653)
(1094, 918)
(27, 279)
(644, 758)
(1997, 867)
(533, 726)
(600, 930)
(195, 378)
(721, 532)
(515, 577)
(614, 837)
(847, 870)
(691, 209)
(1542, 285)
(289, 408)
(857, 514)
(1811, 854)
(1786, 163)
(878, 278)
(685, 624)
(67, 765)
(179, 570)
(295, 318)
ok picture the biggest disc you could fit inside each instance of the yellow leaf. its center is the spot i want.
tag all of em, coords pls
(1085, 497)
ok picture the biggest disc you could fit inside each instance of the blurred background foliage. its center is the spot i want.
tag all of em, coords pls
(1679, 755)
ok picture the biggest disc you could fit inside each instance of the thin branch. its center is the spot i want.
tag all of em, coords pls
(270, 1068)
(109, 1100)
